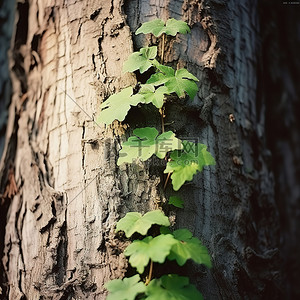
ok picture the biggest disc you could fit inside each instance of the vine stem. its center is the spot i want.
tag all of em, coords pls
(166, 182)
(161, 111)
(162, 49)
(150, 273)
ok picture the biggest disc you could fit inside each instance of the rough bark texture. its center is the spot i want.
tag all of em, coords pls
(66, 59)
(231, 207)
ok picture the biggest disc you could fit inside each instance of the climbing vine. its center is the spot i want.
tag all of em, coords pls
(184, 160)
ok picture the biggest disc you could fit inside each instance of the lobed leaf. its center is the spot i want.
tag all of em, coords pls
(156, 249)
(147, 142)
(177, 82)
(184, 165)
(117, 106)
(176, 201)
(188, 247)
(157, 27)
(135, 222)
(173, 287)
(126, 289)
(141, 60)
(152, 95)
(176, 26)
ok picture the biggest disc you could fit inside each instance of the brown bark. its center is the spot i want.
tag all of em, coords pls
(66, 59)
(59, 224)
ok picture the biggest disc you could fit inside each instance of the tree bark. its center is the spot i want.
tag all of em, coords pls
(66, 59)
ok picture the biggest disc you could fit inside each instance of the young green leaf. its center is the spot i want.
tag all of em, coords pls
(176, 26)
(176, 201)
(135, 222)
(117, 106)
(177, 82)
(141, 60)
(126, 289)
(184, 165)
(156, 249)
(188, 247)
(157, 27)
(147, 142)
(156, 97)
(172, 287)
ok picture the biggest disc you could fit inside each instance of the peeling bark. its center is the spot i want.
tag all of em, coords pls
(67, 58)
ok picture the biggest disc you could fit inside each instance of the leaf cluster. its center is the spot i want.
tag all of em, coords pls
(164, 82)
(171, 286)
(179, 245)
(185, 160)
(147, 142)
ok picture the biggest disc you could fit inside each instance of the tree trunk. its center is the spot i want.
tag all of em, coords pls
(66, 59)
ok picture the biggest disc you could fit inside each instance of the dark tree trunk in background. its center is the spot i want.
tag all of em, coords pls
(280, 90)
(6, 28)
(7, 18)
(61, 191)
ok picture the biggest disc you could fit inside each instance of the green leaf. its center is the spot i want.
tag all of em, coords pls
(174, 26)
(176, 201)
(172, 287)
(141, 60)
(165, 230)
(177, 82)
(189, 247)
(147, 142)
(157, 27)
(156, 249)
(184, 165)
(135, 222)
(117, 106)
(156, 97)
(126, 289)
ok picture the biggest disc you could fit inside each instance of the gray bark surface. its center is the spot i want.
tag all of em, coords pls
(66, 59)
(230, 207)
